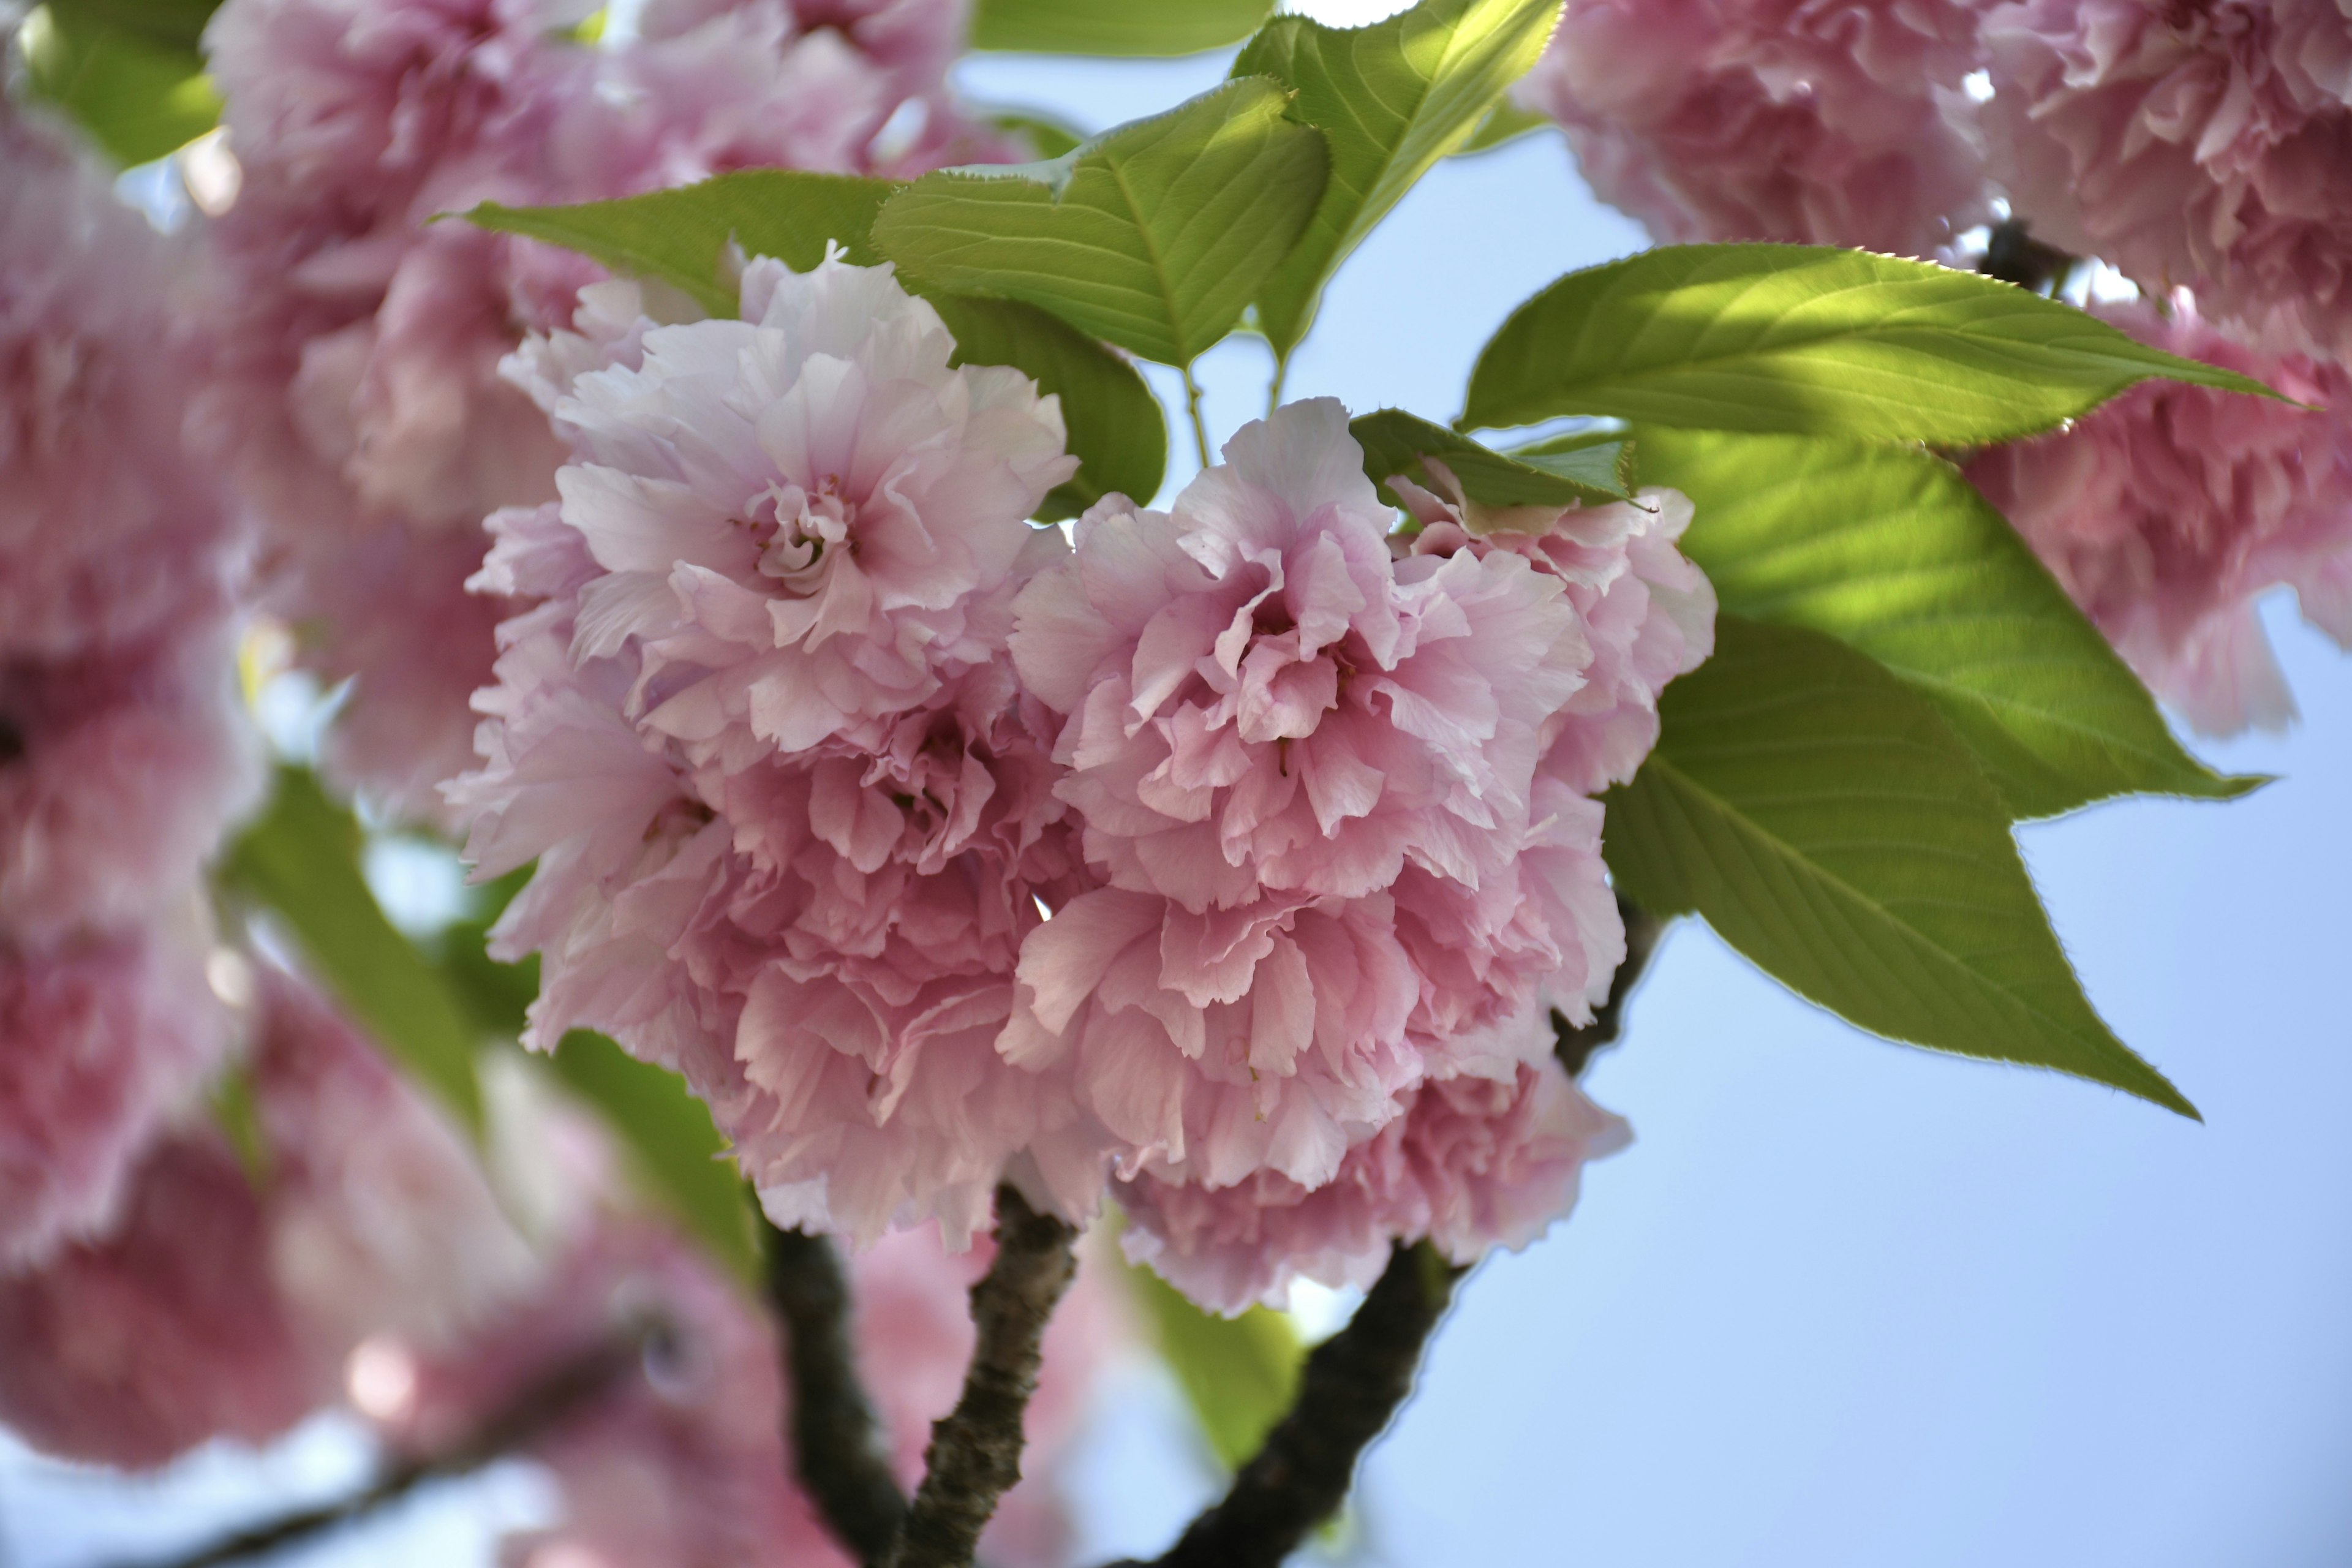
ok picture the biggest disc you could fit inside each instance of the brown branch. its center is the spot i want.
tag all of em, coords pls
(975, 1452)
(2013, 255)
(836, 1442)
(1578, 1043)
(1351, 1388)
(542, 1406)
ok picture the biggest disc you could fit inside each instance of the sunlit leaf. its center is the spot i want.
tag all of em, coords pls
(1397, 443)
(139, 94)
(1809, 341)
(1153, 236)
(1392, 99)
(1889, 549)
(1114, 26)
(1827, 822)
(683, 237)
(1239, 1373)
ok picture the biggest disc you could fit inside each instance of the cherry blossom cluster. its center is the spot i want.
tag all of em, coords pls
(122, 751)
(2203, 150)
(359, 399)
(1239, 853)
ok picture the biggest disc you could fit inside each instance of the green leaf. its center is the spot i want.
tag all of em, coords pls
(1048, 135)
(1829, 825)
(1154, 235)
(1239, 1373)
(679, 1154)
(1889, 549)
(139, 97)
(1809, 341)
(239, 1120)
(1507, 121)
(166, 24)
(301, 861)
(1392, 99)
(1395, 442)
(1115, 26)
(1115, 422)
(681, 236)
(1117, 428)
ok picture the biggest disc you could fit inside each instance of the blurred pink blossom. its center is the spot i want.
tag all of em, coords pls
(1471, 1164)
(2206, 146)
(684, 1462)
(1809, 122)
(2168, 512)
(213, 1301)
(130, 1350)
(101, 1041)
(109, 534)
(118, 770)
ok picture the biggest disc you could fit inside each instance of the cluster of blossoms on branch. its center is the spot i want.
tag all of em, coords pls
(2202, 149)
(1236, 864)
(1242, 851)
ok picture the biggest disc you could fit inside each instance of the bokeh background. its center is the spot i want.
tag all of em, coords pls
(1844, 1304)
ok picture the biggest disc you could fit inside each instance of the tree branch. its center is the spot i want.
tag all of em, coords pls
(836, 1443)
(2013, 255)
(975, 1452)
(1576, 1043)
(542, 1406)
(1352, 1386)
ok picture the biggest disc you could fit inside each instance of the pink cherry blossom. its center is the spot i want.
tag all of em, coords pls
(1336, 785)
(1471, 1164)
(2204, 146)
(2168, 512)
(130, 1349)
(1262, 702)
(102, 1039)
(1811, 122)
(803, 516)
(791, 816)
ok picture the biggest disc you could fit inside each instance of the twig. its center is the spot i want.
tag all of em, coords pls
(542, 1406)
(1193, 408)
(975, 1452)
(1576, 1043)
(835, 1440)
(1352, 1386)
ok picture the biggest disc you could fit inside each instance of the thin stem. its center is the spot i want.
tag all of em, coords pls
(1274, 387)
(830, 1429)
(1193, 408)
(1351, 1388)
(975, 1452)
(1576, 1043)
(540, 1407)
